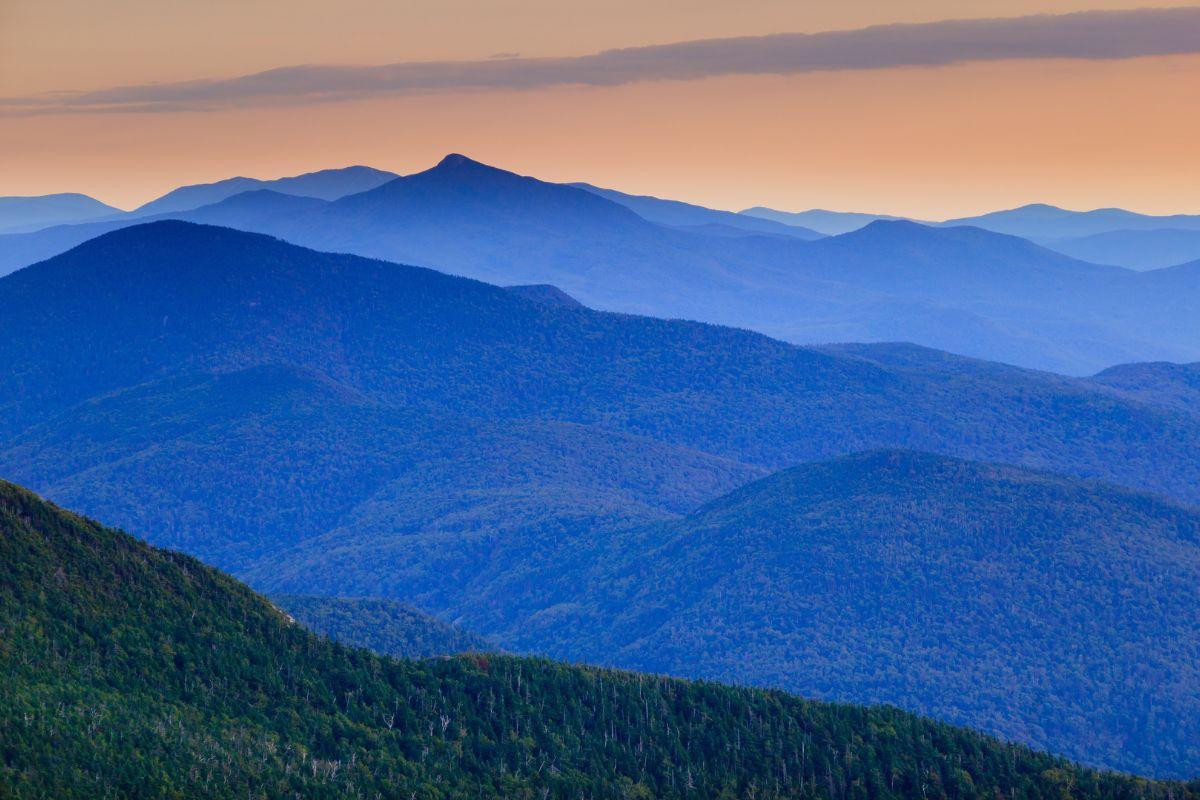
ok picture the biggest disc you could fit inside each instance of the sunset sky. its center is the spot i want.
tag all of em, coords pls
(128, 98)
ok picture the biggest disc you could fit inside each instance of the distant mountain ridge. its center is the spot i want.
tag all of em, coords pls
(831, 223)
(686, 215)
(1040, 221)
(958, 289)
(1175, 386)
(1104, 236)
(20, 214)
(52, 222)
(327, 184)
(1155, 248)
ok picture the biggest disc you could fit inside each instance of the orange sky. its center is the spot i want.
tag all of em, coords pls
(923, 141)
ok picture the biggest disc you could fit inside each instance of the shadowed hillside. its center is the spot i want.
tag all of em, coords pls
(205, 689)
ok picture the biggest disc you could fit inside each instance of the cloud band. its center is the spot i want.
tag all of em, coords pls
(1083, 35)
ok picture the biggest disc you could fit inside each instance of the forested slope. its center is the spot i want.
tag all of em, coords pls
(131, 671)
(1050, 610)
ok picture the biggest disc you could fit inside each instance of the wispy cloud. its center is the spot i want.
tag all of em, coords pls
(1085, 35)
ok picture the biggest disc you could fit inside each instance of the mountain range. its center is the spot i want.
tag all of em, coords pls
(959, 289)
(830, 223)
(1103, 236)
(205, 689)
(886, 577)
(31, 214)
(331, 424)
(698, 218)
(328, 184)
(1136, 249)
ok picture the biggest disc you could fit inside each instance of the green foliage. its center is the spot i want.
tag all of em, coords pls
(1057, 612)
(384, 626)
(327, 424)
(1049, 610)
(131, 671)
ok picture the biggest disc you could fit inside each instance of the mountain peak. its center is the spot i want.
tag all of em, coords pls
(457, 160)
(889, 228)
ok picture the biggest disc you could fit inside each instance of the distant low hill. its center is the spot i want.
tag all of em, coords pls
(1138, 249)
(831, 223)
(963, 290)
(1174, 386)
(1105, 236)
(19, 214)
(384, 626)
(205, 689)
(45, 226)
(1041, 221)
(327, 184)
(687, 215)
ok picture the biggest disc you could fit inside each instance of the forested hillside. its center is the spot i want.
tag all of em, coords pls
(1049, 610)
(131, 671)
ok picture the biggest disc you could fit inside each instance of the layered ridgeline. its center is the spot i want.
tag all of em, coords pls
(385, 626)
(964, 290)
(400, 433)
(131, 671)
(1103, 236)
(326, 184)
(1048, 610)
(232, 395)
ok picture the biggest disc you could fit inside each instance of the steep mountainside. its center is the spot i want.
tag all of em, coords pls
(386, 627)
(962, 290)
(130, 671)
(1049, 610)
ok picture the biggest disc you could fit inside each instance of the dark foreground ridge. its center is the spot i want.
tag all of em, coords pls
(132, 671)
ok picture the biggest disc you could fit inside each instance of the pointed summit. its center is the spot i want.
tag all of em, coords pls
(457, 163)
(456, 160)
